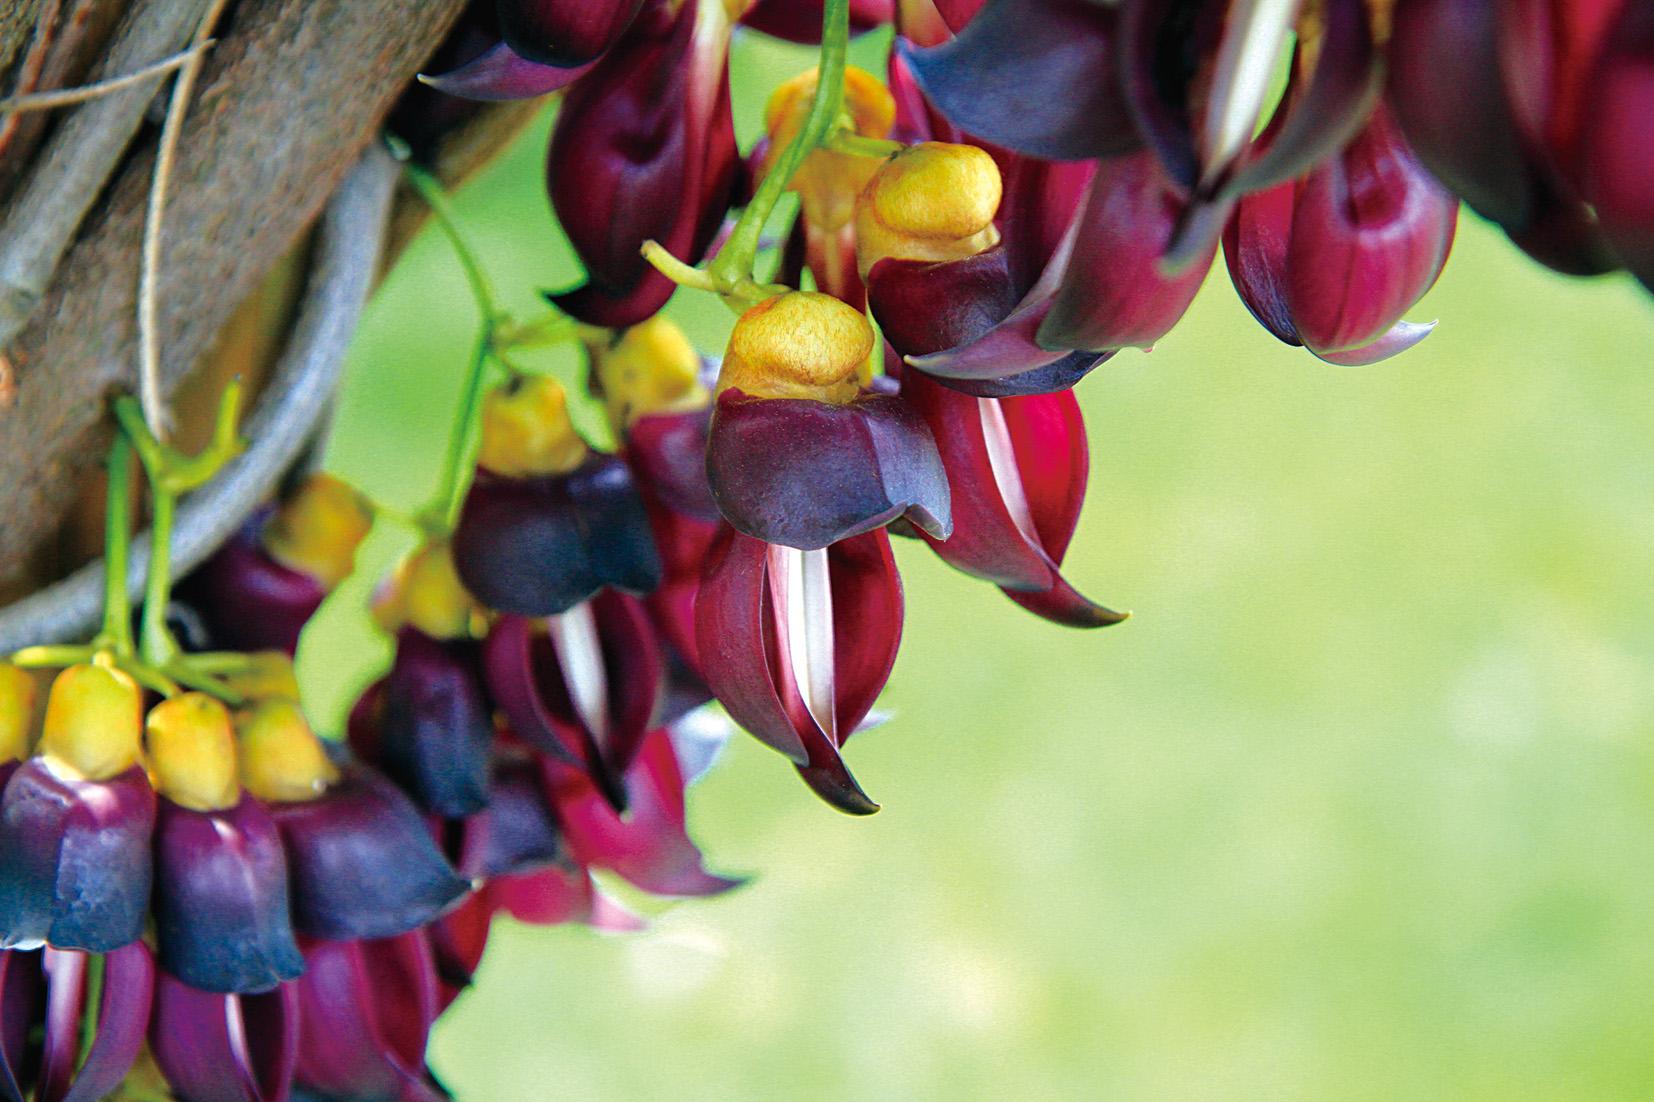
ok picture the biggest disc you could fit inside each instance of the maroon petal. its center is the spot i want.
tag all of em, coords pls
(540, 546)
(76, 873)
(800, 20)
(806, 474)
(1255, 246)
(434, 729)
(742, 626)
(530, 683)
(1617, 146)
(554, 897)
(221, 904)
(1370, 233)
(1013, 535)
(644, 148)
(565, 32)
(501, 73)
(924, 307)
(234, 1048)
(1114, 293)
(362, 864)
(367, 1009)
(683, 542)
(650, 846)
(1036, 76)
(667, 453)
(22, 994)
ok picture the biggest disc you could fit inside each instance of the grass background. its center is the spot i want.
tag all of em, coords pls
(1359, 805)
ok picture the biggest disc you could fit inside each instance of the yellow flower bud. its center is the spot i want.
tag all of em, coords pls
(281, 758)
(802, 344)
(652, 369)
(932, 201)
(827, 182)
(94, 723)
(17, 700)
(192, 759)
(268, 674)
(318, 529)
(526, 430)
(427, 593)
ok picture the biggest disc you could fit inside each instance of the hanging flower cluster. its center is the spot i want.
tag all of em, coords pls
(201, 897)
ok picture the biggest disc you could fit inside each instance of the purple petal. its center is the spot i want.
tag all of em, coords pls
(667, 452)
(221, 904)
(435, 730)
(123, 1013)
(501, 73)
(1398, 338)
(806, 474)
(367, 1009)
(248, 600)
(1035, 76)
(540, 546)
(361, 861)
(77, 868)
(518, 831)
(565, 32)
(228, 1048)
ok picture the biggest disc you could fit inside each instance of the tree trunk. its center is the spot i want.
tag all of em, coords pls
(288, 97)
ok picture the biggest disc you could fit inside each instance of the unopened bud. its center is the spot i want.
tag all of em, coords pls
(317, 530)
(827, 182)
(282, 760)
(526, 430)
(933, 201)
(427, 593)
(652, 369)
(192, 752)
(17, 700)
(802, 344)
(94, 723)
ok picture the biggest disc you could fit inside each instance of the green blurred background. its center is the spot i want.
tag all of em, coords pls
(1360, 804)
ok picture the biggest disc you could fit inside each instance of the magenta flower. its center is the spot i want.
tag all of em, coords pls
(44, 997)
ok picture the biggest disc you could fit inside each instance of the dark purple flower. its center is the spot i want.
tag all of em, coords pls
(43, 1000)
(565, 33)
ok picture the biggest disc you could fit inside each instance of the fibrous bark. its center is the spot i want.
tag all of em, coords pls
(290, 95)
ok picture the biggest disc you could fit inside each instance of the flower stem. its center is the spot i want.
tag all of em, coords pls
(733, 264)
(117, 541)
(442, 512)
(430, 190)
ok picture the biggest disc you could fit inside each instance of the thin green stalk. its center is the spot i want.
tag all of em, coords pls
(443, 510)
(155, 640)
(430, 190)
(92, 1009)
(733, 265)
(117, 542)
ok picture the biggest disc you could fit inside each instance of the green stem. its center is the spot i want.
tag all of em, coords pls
(430, 190)
(155, 640)
(92, 1009)
(845, 140)
(440, 514)
(117, 541)
(733, 264)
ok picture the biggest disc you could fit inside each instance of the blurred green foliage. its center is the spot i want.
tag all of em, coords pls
(1359, 805)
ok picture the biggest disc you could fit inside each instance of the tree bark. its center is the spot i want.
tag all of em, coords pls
(288, 98)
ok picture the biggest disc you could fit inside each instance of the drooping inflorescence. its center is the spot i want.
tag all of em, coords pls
(200, 889)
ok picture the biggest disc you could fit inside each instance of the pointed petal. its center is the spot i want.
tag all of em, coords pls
(867, 624)
(221, 903)
(362, 863)
(237, 1048)
(1036, 76)
(434, 724)
(366, 1011)
(500, 73)
(77, 867)
(565, 32)
(1255, 244)
(1114, 293)
(1370, 233)
(22, 995)
(1397, 339)
(649, 846)
(805, 474)
(540, 546)
(123, 1012)
(644, 148)
(730, 623)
